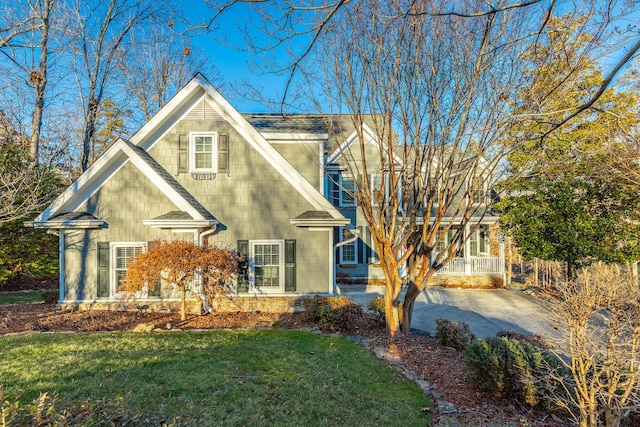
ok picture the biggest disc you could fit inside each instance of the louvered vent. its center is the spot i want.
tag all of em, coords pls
(203, 111)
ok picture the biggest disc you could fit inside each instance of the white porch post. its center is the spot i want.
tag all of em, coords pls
(467, 251)
(61, 265)
(502, 266)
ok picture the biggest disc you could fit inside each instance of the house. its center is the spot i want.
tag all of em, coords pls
(200, 170)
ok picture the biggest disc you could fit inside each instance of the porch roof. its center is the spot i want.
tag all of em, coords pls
(69, 220)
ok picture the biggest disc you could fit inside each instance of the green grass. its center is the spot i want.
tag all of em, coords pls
(14, 297)
(240, 377)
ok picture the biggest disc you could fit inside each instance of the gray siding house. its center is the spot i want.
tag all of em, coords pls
(201, 171)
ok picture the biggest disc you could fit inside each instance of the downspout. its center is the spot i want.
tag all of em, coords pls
(206, 234)
(355, 233)
(201, 239)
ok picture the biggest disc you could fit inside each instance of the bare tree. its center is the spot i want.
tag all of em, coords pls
(436, 92)
(31, 34)
(165, 61)
(436, 84)
(101, 29)
(600, 346)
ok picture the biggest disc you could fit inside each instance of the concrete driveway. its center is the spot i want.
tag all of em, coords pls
(485, 311)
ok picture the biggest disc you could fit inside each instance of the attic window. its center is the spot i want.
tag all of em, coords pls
(203, 154)
(203, 149)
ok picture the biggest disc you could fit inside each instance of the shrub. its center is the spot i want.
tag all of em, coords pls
(454, 334)
(337, 314)
(50, 296)
(376, 308)
(505, 366)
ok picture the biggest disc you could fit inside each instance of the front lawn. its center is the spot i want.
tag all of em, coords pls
(16, 297)
(236, 377)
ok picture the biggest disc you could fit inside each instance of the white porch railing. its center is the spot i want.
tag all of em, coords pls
(477, 265)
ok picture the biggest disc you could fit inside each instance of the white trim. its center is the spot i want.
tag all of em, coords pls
(342, 192)
(281, 266)
(351, 139)
(214, 152)
(344, 242)
(113, 247)
(260, 144)
(61, 266)
(191, 94)
(332, 264)
(319, 222)
(292, 137)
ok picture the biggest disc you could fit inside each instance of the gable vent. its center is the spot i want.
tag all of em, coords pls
(203, 111)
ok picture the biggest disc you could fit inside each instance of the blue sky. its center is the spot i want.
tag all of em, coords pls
(233, 63)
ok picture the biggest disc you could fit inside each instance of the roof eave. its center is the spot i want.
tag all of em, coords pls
(330, 222)
(67, 225)
(177, 224)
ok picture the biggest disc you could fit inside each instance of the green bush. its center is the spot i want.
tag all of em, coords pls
(26, 251)
(504, 366)
(454, 334)
(336, 314)
(376, 308)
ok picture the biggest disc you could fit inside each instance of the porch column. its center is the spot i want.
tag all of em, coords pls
(467, 251)
(501, 240)
(61, 265)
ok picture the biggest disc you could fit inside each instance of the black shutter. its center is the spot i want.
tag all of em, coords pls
(223, 153)
(154, 286)
(183, 152)
(290, 265)
(243, 277)
(103, 270)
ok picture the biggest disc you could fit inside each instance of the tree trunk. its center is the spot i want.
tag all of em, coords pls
(535, 273)
(183, 304)
(392, 313)
(89, 132)
(39, 80)
(409, 301)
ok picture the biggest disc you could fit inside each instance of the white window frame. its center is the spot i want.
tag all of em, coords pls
(345, 234)
(476, 238)
(344, 191)
(373, 187)
(252, 266)
(113, 251)
(214, 152)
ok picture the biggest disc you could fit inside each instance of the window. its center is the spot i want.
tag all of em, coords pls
(267, 265)
(122, 254)
(349, 251)
(448, 239)
(203, 152)
(479, 241)
(347, 191)
(376, 188)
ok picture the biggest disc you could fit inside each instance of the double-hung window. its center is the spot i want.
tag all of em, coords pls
(122, 255)
(479, 241)
(203, 152)
(347, 191)
(268, 265)
(348, 251)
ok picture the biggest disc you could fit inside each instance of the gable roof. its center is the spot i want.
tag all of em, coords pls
(107, 165)
(136, 151)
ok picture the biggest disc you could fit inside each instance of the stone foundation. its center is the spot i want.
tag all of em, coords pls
(468, 282)
(276, 304)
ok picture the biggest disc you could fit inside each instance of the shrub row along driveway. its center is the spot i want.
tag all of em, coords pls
(486, 311)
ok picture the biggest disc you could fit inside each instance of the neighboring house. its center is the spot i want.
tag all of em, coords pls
(199, 170)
